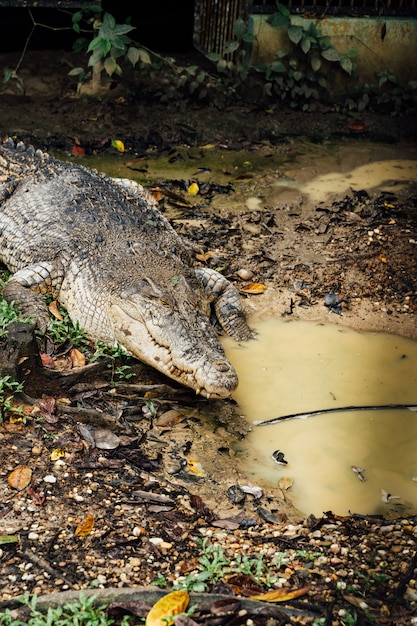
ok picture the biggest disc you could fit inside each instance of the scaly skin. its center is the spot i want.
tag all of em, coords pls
(103, 250)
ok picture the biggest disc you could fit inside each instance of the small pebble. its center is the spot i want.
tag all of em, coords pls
(50, 478)
(245, 274)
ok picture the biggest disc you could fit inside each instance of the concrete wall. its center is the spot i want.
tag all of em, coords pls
(397, 52)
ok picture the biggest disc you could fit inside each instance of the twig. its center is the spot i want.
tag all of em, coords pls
(342, 409)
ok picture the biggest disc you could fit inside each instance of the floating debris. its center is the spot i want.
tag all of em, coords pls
(387, 497)
(359, 472)
(278, 457)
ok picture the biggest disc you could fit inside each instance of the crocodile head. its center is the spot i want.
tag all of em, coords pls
(169, 328)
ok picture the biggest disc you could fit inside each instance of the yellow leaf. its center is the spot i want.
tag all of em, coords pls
(85, 527)
(53, 308)
(253, 288)
(77, 358)
(204, 257)
(193, 189)
(382, 257)
(196, 468)
(58, 453)
(119, 145)
(285, 483)
(281, 595)
(20, 477)
(163, 612)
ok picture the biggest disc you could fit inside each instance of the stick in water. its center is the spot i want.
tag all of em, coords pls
(382, 407)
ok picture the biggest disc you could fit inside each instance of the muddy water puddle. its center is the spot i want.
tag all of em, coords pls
(303, 366)
(298, 172)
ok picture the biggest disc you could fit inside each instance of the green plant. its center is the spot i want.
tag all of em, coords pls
(8, 388)
(63, 330)
(347, 618)
(8, 314)
(160, 581)
(81, 613)
(213, 565)
(110, 42)
(300, 73)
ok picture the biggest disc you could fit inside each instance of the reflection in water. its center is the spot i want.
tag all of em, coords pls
(382, 174)
(302, 366)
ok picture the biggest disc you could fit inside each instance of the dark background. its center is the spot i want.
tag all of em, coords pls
(162, 25)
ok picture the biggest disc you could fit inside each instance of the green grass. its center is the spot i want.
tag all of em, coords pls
(81, 613)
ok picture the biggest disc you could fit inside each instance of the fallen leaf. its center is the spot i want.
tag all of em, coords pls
(163, 612)
(281, 595)
(155, 193)
(58, 453)
(383, 258)
(77, 358)
(54, 310)
(244, 585)
(37, 495)
(169, 418)
(253, 288)
(20, 477)
(203, 257)
(47, 360)
(47, 407)
(77, 150)
(8, 539)
(196, 468)
(85, 527)
(105, 439)
(285, 483)
(119, 145)
(357, 126)
(193, 189)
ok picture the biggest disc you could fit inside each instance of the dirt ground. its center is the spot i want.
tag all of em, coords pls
(352, 261)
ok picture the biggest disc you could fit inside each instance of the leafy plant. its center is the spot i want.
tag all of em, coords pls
(9, 387)
(63, 330)
(81, 613)
(299, 74)
(8, 314)
(109, 44)
(213, 565)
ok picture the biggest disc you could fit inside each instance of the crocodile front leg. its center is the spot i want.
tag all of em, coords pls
(25, 287)
(227, 303)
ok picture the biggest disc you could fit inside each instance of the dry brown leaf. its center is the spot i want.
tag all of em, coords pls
(281, 595)
(47, 360)
(163, 611)
(77, 358)
(253, 288)
(155, 193)
(53, 309)
(20, 477)
(37, 495)
(203, 257)
(85, 527)
(169, 418)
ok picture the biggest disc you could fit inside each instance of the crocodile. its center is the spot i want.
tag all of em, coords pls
(101, 247)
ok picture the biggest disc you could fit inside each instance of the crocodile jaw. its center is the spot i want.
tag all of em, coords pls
(211, 377)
